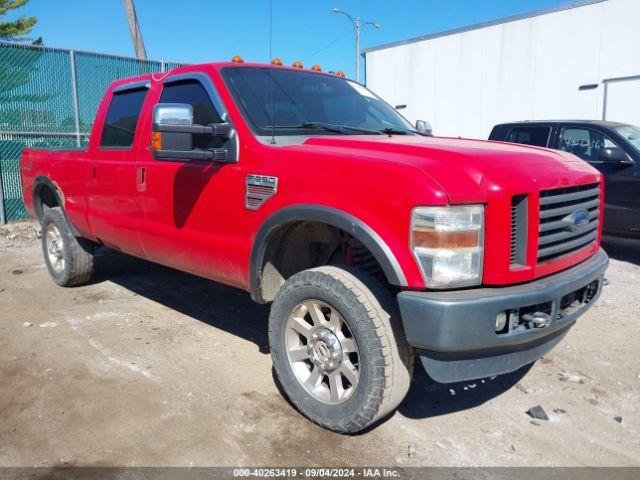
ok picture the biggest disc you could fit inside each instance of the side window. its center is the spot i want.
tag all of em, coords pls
(538, 136)
(204, 113)
(585, 143)
(122, 118)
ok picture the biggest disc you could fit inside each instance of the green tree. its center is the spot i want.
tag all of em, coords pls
(14, 31)
(16, 67)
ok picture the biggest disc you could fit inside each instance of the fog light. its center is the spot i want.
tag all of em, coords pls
(501, 321)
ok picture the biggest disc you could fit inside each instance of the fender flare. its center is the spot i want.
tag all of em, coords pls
(42, 181)
(330, 216)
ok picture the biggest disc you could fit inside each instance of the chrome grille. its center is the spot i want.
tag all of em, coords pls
(568, 220)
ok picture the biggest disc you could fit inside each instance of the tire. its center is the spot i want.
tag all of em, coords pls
(69, 259)
(345, 388)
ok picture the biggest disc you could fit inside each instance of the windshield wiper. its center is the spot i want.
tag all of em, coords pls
(400, 131)
(329, 127)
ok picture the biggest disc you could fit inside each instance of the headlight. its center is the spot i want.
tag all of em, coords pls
(448, 243)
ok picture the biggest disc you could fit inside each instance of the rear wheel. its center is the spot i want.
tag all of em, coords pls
(69, 259)
(338, 349)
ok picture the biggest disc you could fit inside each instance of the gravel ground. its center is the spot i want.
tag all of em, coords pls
(150, 366)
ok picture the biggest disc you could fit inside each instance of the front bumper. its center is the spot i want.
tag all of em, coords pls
(454, 331)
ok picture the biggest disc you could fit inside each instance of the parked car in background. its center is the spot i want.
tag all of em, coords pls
(611, 147)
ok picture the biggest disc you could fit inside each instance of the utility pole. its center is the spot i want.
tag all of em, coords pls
(357, 27)
(134, 27)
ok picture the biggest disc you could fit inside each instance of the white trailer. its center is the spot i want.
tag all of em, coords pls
(577, 61)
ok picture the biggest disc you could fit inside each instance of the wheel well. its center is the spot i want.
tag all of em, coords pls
(301, 245)
(45, 198)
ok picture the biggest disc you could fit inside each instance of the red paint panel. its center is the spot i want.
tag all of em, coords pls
(191, 216)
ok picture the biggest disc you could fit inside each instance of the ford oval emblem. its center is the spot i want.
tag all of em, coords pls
(578, 220)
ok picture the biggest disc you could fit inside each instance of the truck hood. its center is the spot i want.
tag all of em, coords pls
(470, 171)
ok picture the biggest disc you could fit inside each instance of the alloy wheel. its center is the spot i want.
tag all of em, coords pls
(322, 352)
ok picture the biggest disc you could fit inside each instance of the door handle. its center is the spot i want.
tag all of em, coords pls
(141, 179)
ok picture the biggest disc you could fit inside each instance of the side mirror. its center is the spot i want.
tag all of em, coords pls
(616, 155)
(173, 130)
(173, 114)
(423, 126)
(163, 140)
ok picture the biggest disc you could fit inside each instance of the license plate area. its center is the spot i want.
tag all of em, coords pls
(578, 299)
(539, 316)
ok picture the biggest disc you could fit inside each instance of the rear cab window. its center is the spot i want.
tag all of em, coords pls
(536, 136)
(120, 125)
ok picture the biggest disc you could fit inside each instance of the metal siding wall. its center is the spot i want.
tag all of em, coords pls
(623, 101)
(508, 55)
(569, 52)
(527, 69)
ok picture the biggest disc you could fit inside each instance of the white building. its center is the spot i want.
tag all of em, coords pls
(577, 61)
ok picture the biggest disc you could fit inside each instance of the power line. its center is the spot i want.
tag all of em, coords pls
(329, 44)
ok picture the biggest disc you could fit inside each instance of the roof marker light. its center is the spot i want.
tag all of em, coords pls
(237, 59)
(316, 68)
(297, 64)
(276, 61)
(340, 74)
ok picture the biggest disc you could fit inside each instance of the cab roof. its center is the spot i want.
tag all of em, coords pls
(157, 76)
(601, 123)
(220, 65)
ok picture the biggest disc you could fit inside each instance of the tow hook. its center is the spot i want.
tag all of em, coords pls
(537, 319)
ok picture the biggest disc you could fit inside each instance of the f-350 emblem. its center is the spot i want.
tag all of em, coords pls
(259, 189)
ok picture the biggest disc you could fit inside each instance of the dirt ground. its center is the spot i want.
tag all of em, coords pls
(149, 366)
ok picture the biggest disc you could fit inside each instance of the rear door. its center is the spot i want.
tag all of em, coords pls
(111, 186)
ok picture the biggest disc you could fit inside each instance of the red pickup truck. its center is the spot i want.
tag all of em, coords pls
(374, 242)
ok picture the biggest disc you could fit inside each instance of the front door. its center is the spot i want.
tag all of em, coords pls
(191, 210)
(624, 184)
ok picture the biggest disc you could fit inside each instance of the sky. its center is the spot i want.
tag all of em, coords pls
(193, 31)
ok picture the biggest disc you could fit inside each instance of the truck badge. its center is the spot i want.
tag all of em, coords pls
(259, 189)
(578, 220)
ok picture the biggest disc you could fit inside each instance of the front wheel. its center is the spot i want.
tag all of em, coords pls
(338, 349)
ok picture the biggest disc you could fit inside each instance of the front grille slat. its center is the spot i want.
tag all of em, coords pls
(556, 212)
(595, 192)
(557, 235)
(579, 242)
(565, 234)
(557, 224)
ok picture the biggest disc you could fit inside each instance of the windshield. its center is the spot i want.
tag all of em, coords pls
(302, 101)
(631, 134)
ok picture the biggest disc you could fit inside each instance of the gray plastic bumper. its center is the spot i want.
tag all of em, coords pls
(454, 331)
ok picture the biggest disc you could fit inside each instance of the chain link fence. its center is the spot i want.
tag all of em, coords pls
(48, 98)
